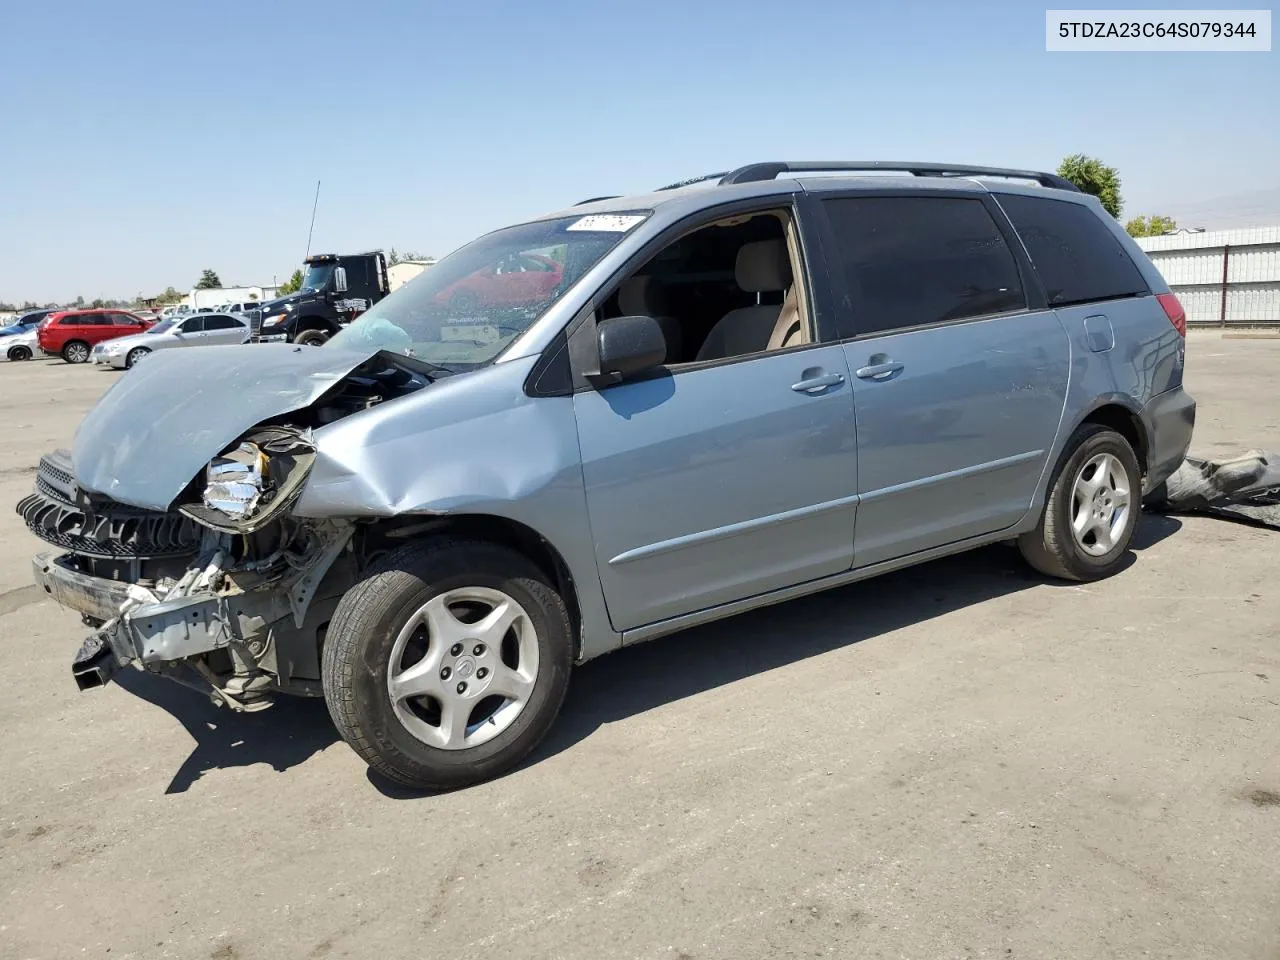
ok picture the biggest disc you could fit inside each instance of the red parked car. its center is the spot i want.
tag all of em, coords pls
(513, 281)
(72, 333)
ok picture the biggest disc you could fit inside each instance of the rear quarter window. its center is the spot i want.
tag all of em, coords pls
(915, 261)
(1077, 257)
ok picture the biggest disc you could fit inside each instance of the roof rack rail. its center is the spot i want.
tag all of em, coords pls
(692, 180)
(754, 172)
(613, 196)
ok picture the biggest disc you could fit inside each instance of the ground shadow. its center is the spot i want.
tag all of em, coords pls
(283, 736)
(639, 678)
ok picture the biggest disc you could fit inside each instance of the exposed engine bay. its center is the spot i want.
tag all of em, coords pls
(225, 590)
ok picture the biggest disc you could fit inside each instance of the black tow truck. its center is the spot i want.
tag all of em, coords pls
(336, 288)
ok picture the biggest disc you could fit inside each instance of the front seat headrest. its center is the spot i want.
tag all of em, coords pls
(763, 266)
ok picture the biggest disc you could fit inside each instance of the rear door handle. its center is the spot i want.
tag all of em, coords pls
(880, 371)
(818, 383)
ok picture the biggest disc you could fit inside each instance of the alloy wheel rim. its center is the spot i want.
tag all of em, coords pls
(463, 668)
(79, 353)
(1100, 504)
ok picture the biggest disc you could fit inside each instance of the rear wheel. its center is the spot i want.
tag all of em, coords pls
(1092, 509)
(19, 353)
(76, 351)
(448, 663)
(134, 355)
(311, 338)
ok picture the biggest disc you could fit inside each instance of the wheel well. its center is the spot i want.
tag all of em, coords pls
(1126, 423)
(315, 323)
(509, 533)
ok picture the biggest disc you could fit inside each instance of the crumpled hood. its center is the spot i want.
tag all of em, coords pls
(158, 425)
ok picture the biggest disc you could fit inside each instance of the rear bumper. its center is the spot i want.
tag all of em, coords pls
(1170, 420)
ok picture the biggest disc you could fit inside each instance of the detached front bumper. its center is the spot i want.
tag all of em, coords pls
(141, 632)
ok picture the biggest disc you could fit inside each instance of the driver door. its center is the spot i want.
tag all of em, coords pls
(710, 482)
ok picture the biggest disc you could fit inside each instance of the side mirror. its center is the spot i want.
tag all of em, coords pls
(629, 345)
(340, 280)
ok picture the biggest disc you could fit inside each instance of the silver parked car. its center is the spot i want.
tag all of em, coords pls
(203, 329)
(716, 396)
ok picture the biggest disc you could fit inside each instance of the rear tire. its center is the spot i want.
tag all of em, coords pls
(17, 354)
(311, 338)
(1091, 511)
(419, 616)
(75, 351)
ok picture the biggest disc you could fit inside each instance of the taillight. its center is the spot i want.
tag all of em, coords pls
(1173, 310)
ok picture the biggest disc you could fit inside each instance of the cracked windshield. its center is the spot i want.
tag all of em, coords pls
(464, 311)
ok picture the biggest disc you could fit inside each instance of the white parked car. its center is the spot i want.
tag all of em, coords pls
(21, 346)
(202, 329)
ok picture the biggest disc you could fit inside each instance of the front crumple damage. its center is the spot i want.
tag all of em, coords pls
(219, 627)
(469, 441)
(161, 423)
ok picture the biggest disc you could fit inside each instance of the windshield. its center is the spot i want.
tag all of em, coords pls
(462, 312)
(317, 276)
(163, 325)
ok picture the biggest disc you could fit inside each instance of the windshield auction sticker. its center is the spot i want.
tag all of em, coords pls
(607, 222)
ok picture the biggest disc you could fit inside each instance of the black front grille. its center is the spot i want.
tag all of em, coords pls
(55, 475)
(110, 530)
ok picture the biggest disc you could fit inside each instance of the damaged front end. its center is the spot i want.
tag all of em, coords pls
(223, 589)
(215, 601)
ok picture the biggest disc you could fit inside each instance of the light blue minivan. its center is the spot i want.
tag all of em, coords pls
(647, 412)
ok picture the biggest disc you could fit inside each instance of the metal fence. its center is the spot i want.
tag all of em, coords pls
(1223, 277)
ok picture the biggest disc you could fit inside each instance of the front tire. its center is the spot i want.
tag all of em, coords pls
(1092, 509)
(447, 663)
(134, 355)
(75, 351)
(19, 353)
(311, 338)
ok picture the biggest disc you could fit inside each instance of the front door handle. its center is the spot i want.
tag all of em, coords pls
(881, 369)
(815, 384)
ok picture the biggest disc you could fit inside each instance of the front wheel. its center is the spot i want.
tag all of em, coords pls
(448, 663)
(134, 355)
(19, 353)
(311, 338)
(1092, 509)
(77, 351)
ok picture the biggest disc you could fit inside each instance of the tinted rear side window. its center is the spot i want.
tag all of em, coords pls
(910, 261)
(219, 322)
(1077, 257)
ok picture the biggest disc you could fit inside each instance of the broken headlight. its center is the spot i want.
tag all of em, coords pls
(234, 482)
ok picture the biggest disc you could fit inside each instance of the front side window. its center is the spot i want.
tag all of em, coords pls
(1078, 258)
(912, 261)
(193, 325)
(467, 308)
(317, 277)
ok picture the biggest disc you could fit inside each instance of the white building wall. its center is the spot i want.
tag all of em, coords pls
(1192, 265)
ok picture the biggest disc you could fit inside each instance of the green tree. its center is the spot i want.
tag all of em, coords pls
(208, 281)
(79, 302)
(393, 258)
(1152, 226)
(293, 284)
(1096, 178)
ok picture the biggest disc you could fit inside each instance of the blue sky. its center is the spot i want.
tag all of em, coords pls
(144, 141)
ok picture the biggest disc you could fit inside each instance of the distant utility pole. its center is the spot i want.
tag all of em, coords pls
(312, 228)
